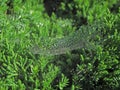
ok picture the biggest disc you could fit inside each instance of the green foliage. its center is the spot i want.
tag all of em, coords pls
(71, 45)
(83, 11)
(63, 83)
(100, 70)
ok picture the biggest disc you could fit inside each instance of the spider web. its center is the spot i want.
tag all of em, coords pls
(83, 38)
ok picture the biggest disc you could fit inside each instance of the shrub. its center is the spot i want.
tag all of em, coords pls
(73, 45)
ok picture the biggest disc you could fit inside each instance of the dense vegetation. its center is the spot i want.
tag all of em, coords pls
(59, 44)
